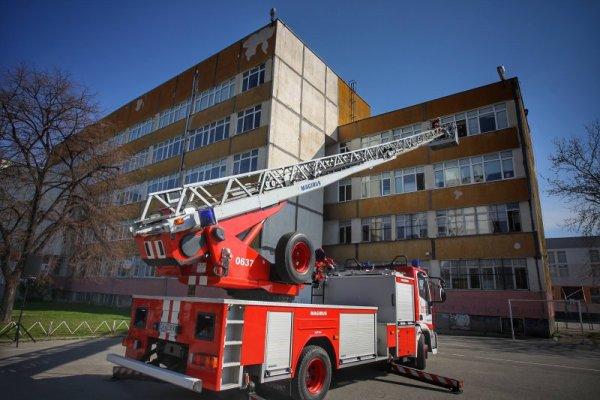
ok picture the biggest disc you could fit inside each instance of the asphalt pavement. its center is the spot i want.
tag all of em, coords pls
(491, 368)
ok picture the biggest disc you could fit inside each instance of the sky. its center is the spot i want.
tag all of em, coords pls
(399, 52)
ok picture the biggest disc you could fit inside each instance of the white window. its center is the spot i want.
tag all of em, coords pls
(245, 162)
(253, 78)
(167, 149)
(139, 130)
(173, 114)
(248, 119)
(209, 133)
(406, 131)
(131, 194)
(214, 95)
(411, 226)
(500, 218)
(345, 232)
(486, 119)
(163, 183)
(344, 190)
(376, 229)
(136, 161)
(409, 180)
(205, 172)
(503, 274)
(487, 168)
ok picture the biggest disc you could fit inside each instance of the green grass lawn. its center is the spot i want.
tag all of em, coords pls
(92, 320)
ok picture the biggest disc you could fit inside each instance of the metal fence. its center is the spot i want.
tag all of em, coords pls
(63, 328)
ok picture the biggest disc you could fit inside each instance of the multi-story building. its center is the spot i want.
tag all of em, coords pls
(471, 213)
(574, 264)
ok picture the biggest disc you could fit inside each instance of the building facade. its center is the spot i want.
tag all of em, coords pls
(574, 264)
(470, 213)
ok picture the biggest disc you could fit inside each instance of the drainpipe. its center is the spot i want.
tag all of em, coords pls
(187, 127)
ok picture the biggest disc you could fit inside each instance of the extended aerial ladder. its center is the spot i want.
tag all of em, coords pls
(202, 232)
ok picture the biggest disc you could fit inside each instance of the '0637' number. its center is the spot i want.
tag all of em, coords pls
(244, 262)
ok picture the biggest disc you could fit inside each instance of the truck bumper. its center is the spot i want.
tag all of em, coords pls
(184, 381)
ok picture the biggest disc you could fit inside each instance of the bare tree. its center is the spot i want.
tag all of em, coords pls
(57, 173)
(576, 178)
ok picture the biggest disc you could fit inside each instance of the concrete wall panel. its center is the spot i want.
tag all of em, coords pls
(331, 89)
(289, 48)
(515, 245)
(314, 70)
(507, 191)
(288, 85)
(312, 142)
(285, 130)
(313, 106)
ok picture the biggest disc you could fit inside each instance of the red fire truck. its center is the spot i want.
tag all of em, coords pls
(203, 234)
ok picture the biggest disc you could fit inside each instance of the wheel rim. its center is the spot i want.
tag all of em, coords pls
(315, 376)
(301, 257)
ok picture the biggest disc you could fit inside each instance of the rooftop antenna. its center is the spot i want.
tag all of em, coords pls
(273, 11)
(501, 72)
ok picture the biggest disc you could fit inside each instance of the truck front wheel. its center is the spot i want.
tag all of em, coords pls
(313, 376)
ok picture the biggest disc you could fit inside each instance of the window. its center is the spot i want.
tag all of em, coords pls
(406, 131)
(136, 161)
(344, 190)
(411, 226)
(344, 147)
(173, 114)
(167, 149)
(501, 218)
(209, 133)
(345, 232)
(368, 141)
(386, 183)
(377, 229)
(557, 261)
(245, 162)
(409, 180)
(487, 119)
(248, 119)
(131, 194)
(491, 167)
(594, 256)
(486, 274)
(205, 326)
(204, 172)
(214, 95)
(163, 183)
(139, 130)
(253, 78)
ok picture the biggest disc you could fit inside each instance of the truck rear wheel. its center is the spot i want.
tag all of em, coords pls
(313, 375)
(294, 259)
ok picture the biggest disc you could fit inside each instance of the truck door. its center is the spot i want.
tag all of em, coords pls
(424, 305)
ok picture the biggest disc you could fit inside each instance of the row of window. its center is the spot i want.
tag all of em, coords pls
(242, 163)
(481, 120)
(487, 168)
(208, 134)
(559, 266)
(203, 100)
(503, 274)
(499, 218)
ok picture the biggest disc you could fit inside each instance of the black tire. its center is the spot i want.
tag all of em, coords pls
(294, 258)
(313, 375)
(421, 360)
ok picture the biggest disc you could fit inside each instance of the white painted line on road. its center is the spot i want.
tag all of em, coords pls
(529, 362)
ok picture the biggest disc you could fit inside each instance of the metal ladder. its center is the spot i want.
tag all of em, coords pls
(239, 194)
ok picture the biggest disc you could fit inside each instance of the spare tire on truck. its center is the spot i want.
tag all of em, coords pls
(294, 258)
